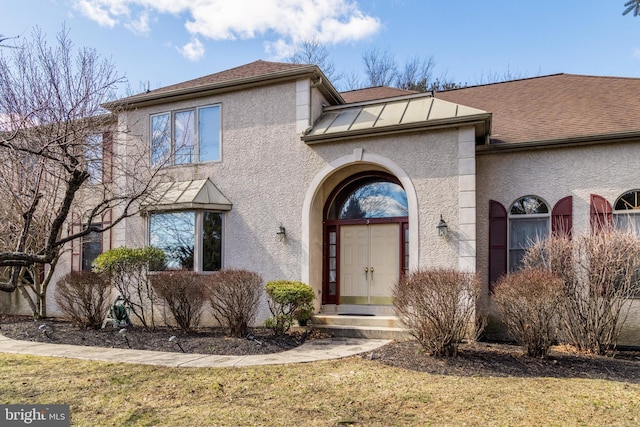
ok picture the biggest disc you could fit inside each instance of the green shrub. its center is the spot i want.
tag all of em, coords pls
(529, 303)
(234, 296)
(438, 307)
(128, 269)
(184, 294)
(83, 296)
(287, 300)
(121, 258)
(279, 324)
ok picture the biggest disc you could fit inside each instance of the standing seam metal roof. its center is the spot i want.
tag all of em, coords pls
(411, 111)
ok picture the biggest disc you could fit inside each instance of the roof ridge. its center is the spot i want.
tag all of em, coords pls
(535, 78)
(502, 82)
(254, 73)
(231, 71)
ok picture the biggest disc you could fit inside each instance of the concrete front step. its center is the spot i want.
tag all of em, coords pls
(372, 327)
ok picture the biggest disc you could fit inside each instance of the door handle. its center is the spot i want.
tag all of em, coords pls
(366, 273)
(371, 273)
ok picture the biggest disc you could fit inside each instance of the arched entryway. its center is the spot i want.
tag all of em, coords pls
(365, 240)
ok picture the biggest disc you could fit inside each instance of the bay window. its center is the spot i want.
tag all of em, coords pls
(191, 240)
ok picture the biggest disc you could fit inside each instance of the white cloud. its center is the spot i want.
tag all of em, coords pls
(193, 51)
(139, 25)
(105, 13)
(282, 22)
(279, 48)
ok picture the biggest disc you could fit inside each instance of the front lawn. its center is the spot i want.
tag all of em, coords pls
(342, 392)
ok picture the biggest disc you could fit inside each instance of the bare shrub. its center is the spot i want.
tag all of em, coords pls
(84, 297)
(184, 294)
(529, 303)
(599, 271)
(554, 254)
(234, 296)
(438, 307)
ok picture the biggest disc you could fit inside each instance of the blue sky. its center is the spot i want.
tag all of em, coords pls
(169, 41)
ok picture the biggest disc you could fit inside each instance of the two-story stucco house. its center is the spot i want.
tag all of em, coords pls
(269, 168)
(274, 171)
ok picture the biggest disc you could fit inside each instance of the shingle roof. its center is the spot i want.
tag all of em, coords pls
(373, 93)
(253, 69)
(255, 73)
(555, 107)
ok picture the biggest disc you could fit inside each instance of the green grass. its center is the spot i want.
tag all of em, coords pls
(351, 391)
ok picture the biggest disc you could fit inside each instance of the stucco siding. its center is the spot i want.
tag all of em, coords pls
(430, 163)
(551, 174)
(266, 172)
(259, 143)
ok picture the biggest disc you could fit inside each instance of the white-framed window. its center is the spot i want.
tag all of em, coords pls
(94, 158)
(191, 240)
(626, 211)
(186, 136)
(529, 221)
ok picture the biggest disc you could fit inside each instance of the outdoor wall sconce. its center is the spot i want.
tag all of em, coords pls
(282, 232)
(443, 229)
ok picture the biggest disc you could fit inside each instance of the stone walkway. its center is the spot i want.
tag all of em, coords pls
(311, 351)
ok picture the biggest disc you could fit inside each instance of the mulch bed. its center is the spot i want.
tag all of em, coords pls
(203, 340)
(505, 360)
(473, 359)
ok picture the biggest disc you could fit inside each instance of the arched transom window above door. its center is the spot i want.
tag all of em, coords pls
(369, 197)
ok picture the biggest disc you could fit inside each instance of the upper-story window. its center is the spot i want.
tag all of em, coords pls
(529, 221)
(93, 157)
(626, 213)
(186, 136)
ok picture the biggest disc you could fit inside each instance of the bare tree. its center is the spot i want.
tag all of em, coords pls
(380, 66)
(497, 77)
(311, 51)
(4, 38)
(56, 156)
(381, 69)
(441, 84)
(416, 74)
(352, 81)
